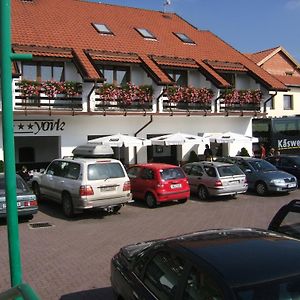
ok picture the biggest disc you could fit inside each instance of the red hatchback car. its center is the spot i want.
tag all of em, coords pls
(158, 182)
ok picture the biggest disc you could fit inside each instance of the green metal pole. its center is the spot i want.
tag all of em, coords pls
(8, 142)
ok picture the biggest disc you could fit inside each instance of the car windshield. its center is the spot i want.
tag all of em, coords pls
(172, 173)
(286, 289)
(229, 170)
(262, 165)
(105, 171)
(21, 186)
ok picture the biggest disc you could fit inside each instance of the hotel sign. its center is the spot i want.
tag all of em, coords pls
(38, 126)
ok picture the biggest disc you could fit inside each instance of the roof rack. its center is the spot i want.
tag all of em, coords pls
(93, 150)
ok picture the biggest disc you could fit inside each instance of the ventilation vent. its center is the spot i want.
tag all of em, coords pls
(40, 225)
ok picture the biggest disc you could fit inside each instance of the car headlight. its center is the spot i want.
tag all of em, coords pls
(278, 181)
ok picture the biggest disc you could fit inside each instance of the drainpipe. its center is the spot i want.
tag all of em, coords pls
(269, 99)
(216, 102)
(142, 128)
(157, 99)
(89, 96)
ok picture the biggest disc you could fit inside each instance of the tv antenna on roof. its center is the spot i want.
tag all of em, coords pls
(166, 3)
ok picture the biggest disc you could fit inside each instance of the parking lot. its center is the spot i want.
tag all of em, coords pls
(70, 258)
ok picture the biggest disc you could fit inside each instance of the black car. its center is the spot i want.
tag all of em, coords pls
(288, 163)
(218, 264)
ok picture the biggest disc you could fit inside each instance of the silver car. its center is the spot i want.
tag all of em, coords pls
(80, 184)
(26, 200)
(215, 179)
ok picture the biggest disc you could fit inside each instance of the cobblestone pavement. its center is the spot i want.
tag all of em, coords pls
(71, 259)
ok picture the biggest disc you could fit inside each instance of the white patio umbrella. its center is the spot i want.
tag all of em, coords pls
(121, 140)
(177, 139)
(230, 137)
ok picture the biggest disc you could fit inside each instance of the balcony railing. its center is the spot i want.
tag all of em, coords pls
(185, 106)
(129, 98)
(32, 95)
(241, 100)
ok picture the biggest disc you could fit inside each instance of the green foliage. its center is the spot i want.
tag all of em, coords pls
(193, 156)
(244, 152)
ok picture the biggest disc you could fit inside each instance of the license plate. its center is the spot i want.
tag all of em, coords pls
(18, 205)
(291, 185)
(176, 186)
(234, 182)
(107, 188)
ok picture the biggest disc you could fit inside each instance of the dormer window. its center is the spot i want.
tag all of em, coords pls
(184, 38)
(145, 33)
(102, 28)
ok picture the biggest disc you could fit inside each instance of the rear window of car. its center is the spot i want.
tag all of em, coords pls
(105, 171)
(172, 173)
(229, 170)
(21, 186)
(262, 165)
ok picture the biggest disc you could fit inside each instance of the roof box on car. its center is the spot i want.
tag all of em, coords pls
(91, 150)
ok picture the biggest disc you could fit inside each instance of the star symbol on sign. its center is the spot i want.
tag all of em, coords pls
(30, 126)
(21, 126)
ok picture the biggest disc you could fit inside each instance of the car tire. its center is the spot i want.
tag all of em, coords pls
(202, 193)
(36, 190)
(116, 208)
(181, 201)
(261, 189)
(67, 205)
(150, 200)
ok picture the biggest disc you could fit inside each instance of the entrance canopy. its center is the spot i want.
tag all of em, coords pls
(177, 139)
(229, 137)
(121, 140)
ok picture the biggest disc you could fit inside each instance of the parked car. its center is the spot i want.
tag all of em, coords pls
(158, 182)
(81, 183)
(227, 264)
(215, 179)
(262, 176)
(287, 220)
(26, 200)
(288, 163)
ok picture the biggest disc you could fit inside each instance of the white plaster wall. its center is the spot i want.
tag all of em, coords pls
(139, 76)
(244, 82)
(196, 79)
(278, 100)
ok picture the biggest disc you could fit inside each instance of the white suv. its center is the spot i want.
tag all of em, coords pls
(84, 183)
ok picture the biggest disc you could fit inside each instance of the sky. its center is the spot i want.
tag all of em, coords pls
(247, 25)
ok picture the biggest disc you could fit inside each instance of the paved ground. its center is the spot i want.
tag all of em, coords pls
(71, 259)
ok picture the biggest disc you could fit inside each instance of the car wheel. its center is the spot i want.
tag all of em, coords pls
(36, 190)
(116, 208)
(67, 205)
(181, 201)
(150, 200)
(261, 189)
(202, 192)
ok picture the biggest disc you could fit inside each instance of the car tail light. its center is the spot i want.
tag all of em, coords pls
(126, 186)
(218, 183)
(30, 203)
(86, 190)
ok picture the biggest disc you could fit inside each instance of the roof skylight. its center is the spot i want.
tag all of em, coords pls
(184, 38)
(145, 33)
(102, 28)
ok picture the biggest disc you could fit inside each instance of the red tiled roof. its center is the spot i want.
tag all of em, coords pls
(289, 80)
(43, 51)
(226, 66)
(68, 24)
(261, 55)
(114, 56)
